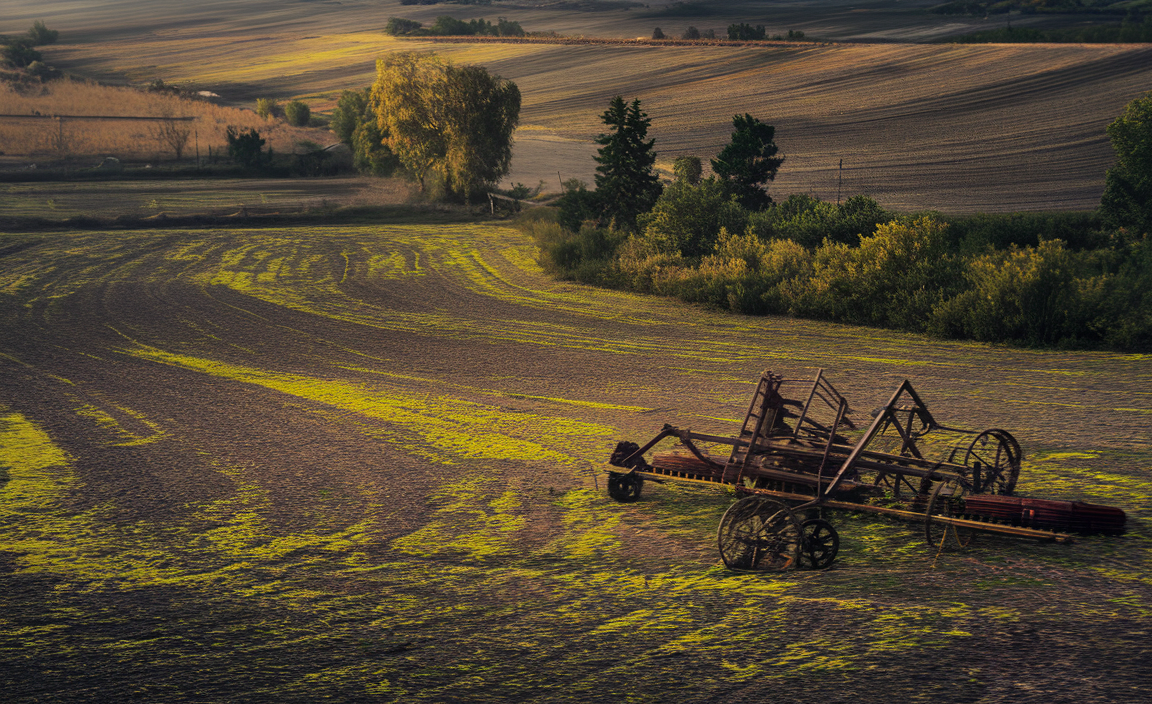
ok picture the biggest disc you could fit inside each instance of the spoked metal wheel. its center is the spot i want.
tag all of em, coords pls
(994, 457)
(758, 533)
(947, 501)
(821, 543)
(625, 488)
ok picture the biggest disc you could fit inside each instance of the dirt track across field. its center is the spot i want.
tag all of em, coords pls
(356, 464)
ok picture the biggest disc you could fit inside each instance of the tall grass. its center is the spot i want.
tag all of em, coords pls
(124, 139)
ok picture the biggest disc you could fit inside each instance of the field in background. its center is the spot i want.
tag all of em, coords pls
(955, 128)
(136, 140)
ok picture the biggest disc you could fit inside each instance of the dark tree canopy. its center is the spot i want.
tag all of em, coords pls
(626, 185)
(1127, 199)
(749, 162)
(246, 147)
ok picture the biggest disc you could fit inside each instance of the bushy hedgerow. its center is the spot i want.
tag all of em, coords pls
(810, 221)
(995, 278)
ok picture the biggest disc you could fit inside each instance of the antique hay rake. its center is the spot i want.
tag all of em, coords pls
(799, 452)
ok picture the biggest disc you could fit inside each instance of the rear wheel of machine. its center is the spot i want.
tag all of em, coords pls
(625, 488)
(947, 501)
(821, 544)
(758, 533)
(998, 455)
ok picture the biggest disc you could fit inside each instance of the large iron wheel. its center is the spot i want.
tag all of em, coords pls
(821, 543)
(994, 457)
(947, 501)
(758, 533)
(625, 488)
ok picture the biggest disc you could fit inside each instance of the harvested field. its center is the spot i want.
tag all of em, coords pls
(58, 200)
(356, 464)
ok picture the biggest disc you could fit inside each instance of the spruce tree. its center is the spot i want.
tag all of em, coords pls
(625, 182)
(749, 162)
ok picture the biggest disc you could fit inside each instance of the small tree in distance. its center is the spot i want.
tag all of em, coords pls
(246, 147)
(657, 33)
(40, 34)
(173, 134)
(297, 113)
(691, 33)
(688, 169)
(267, 108)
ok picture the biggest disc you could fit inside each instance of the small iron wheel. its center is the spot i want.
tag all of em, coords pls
(625, 488)
(998, 455)
(758, 533)
(947, 501)
(821, 544)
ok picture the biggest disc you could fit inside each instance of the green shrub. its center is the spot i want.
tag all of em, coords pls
(41, 35)
(267, 108)
(810, 221)
(399, 27)
(20, 52)
(246, 148)
(984, 232)
(894, 278)
(577, 205)
(585, 255)
(687, 219)
(297, 113)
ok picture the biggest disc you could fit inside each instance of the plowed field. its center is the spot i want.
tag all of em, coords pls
(356, 464)
(954, 128)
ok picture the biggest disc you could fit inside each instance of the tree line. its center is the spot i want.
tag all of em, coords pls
(1047, 279)
(446, 26)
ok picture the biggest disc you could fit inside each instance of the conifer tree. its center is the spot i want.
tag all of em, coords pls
(626, 185)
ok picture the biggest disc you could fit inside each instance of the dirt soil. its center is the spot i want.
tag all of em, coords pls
(358, 464)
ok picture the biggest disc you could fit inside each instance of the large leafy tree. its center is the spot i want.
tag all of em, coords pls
(478, 112)
(1127, 199)
(451, 123)
(749, 162)
(626, 184)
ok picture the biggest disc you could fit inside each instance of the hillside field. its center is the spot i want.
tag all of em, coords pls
(955, 128)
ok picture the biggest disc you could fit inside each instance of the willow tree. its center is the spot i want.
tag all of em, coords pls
(446, 122)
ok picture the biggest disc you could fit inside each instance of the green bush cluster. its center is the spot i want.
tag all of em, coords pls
(1133, 30)
(911, 273)
(21, 51)
(297, 113)
(446, 26)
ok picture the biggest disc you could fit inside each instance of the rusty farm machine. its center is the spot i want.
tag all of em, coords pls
(800, 451)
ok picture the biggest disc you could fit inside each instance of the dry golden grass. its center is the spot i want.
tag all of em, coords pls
(125, 139)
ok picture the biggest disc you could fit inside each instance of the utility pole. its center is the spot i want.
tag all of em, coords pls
(839, 183)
